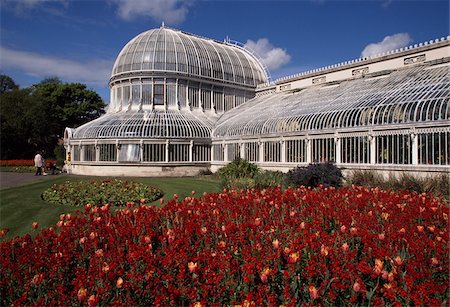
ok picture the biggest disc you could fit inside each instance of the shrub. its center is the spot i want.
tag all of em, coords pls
(269, 179)
(242, 174)
(239, 168)
(326, 174)
(99, 192)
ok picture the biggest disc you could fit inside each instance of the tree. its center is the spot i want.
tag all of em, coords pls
(35, 118)
(7, 84)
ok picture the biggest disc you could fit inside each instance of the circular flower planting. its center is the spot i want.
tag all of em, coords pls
(351, 246)
(98, 192)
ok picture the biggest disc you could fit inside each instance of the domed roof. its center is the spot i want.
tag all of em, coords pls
(159, 124)
(169, 50)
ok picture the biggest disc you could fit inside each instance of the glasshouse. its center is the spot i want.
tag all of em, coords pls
(181, 104)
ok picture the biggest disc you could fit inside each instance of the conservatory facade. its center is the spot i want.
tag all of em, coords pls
(181, 103)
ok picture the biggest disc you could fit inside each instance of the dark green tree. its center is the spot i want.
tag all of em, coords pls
(35, 118)
(7, 84)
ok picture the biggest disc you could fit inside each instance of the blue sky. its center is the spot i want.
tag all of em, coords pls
(78, 41)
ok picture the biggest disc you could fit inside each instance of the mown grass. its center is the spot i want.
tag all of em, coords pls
(21, 206)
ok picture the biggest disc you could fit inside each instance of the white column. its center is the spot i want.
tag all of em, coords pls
(283, 151)
(225, 152)
(97, 152)
(337, 143)
(414, 148)
(373, 149)
(308, 150)
(242, 150)
(167, 150)
(261, 151)
(191, 149)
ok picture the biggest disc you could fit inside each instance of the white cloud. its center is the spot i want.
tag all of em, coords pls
(38, 65)
(170, 11)
(23, 6)
(272, 56)
(389, 43)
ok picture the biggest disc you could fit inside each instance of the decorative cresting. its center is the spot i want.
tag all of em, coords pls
(167, 124)
(410, 95)
(178, 52)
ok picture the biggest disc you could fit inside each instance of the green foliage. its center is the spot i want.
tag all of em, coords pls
(438, 185)
(99, 192)
(269, 179)
(242, 174)
(7, 84)
(239, 168)
(313, 175)
(34, 118)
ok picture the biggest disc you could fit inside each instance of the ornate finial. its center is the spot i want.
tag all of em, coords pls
(162, 24)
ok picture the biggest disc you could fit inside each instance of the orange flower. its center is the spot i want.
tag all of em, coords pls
(293, 258)
(37, 279)
(92, 301)
(265, 275)
(82, 294)
(378, 266)
(119, 282)
(105, 267)
(313, 292)
(276, 244)
(192, 266)
(398, 260)
(324, 250)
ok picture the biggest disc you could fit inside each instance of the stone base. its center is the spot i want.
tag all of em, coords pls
(138, 170)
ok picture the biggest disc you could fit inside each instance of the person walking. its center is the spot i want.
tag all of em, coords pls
(38, 163)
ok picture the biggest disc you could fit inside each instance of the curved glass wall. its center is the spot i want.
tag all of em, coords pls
(399, 118)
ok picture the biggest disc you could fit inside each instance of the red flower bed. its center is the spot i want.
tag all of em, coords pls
(324, 247)
(21, 162)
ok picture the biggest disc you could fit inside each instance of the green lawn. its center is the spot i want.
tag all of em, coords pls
(21, 206)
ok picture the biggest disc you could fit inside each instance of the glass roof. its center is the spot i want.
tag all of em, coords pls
(417, 94)
(170, 50)
(152, 124)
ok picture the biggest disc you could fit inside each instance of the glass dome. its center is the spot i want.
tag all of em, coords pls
(174, 51)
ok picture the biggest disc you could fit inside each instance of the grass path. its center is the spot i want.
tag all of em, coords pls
(22, 205)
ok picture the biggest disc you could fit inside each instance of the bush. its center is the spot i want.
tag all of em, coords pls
(242, 174)
(313, 175)
(99, 192)
(239, 168)
(269, 179)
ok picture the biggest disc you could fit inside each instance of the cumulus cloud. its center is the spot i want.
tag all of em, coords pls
(272, 56)
(38, 65)
(170, 11)
(389, 43)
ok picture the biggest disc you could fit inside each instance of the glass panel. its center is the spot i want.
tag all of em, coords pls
(129, 153)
